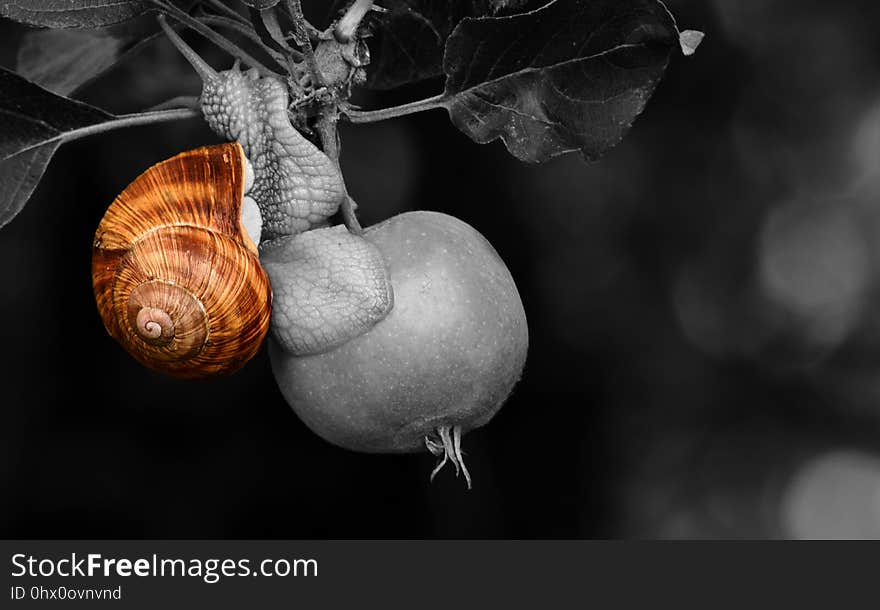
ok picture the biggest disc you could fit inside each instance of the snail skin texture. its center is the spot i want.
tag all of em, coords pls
(176, 274)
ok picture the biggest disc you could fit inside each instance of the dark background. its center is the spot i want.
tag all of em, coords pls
(703, 305)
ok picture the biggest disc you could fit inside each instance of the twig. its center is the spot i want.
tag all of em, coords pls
(244, 30)
(218, 39)
(326, 127)
(301, 35)
(348, 24)
(125, 120)
(220, 7)
(371, 116)
(181, 101)
(291, 55)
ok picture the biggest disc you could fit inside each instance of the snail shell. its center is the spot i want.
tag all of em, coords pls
(176, 275)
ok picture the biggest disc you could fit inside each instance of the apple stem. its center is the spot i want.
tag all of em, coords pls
(440, 464)
(450, 449)
(456, 437)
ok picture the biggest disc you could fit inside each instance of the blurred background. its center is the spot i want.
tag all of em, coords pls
(703, 305)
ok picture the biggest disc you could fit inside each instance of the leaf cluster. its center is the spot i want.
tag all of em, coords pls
(545, 78)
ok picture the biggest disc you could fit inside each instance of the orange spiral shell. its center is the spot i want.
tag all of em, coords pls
(177, 278)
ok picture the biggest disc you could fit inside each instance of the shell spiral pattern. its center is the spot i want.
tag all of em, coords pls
(176, 276)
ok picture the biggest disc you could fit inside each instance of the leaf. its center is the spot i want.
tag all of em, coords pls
(572, 75)
(62, 60)
(65, 60)
(32, 122)
(408, 41)
(19, 176)
(59, 60)
(72, 13)
(31, 116)
(690, 40)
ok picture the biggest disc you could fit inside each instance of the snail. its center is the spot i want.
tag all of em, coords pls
(176, 274)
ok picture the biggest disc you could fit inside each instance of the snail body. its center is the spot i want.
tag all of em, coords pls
(176, 273)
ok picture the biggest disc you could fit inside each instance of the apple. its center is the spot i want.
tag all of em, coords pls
(440, 363)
